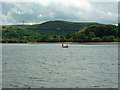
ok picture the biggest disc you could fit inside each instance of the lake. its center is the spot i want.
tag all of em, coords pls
(51, 66)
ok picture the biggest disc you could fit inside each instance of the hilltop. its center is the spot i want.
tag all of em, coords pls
(63, 25)
(56, 27)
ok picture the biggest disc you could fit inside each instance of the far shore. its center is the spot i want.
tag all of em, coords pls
(67, 43)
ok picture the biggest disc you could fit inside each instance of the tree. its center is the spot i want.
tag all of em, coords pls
(69, 35)
(96, 39)
(90, 36)
(45, 38)
(108, 38)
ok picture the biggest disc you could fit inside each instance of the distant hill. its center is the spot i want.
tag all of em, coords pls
(58, 27)
(55, 27)
(62, 25)
(57, 31)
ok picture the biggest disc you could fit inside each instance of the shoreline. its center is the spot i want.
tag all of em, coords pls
(89, 43)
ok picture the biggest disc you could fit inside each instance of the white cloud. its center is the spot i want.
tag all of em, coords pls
(109, 13)
(60, 0)
(40, 15)
(72, 10)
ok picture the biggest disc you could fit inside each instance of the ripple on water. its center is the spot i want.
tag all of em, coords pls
(45, 66)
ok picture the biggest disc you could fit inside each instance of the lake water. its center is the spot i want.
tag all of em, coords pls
(50, 66)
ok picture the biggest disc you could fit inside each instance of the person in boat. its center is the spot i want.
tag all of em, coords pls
(66, 46)
(62, 44)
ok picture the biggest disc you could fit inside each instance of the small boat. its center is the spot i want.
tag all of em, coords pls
(64, 46)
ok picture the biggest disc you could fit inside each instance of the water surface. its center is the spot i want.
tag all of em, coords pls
(49, 65)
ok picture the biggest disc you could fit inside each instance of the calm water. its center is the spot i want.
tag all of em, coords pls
(49, 65)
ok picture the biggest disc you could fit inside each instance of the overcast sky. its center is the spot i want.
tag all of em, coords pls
(68, 10)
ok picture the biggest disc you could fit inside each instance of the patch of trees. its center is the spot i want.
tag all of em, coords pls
(96, 33)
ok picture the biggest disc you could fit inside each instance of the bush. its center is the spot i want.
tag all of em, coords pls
(96, 39)
(108, 38)
(117, 39)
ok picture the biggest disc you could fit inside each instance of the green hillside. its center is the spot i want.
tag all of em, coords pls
(63, 25)
(99, 33)
(60, 31)
(56, 27)
(59, 27)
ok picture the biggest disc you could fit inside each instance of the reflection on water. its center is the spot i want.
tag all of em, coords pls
(49, 65)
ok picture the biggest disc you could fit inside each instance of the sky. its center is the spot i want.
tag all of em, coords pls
(38, 11)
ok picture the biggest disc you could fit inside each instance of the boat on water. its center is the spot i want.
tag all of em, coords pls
(64, 45)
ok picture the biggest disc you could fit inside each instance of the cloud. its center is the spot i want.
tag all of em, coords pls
(45, 10)
(60, 0)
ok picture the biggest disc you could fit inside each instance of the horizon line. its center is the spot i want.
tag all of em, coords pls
(32, 23)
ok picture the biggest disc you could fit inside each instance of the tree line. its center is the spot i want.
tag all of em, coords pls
(96, 33)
